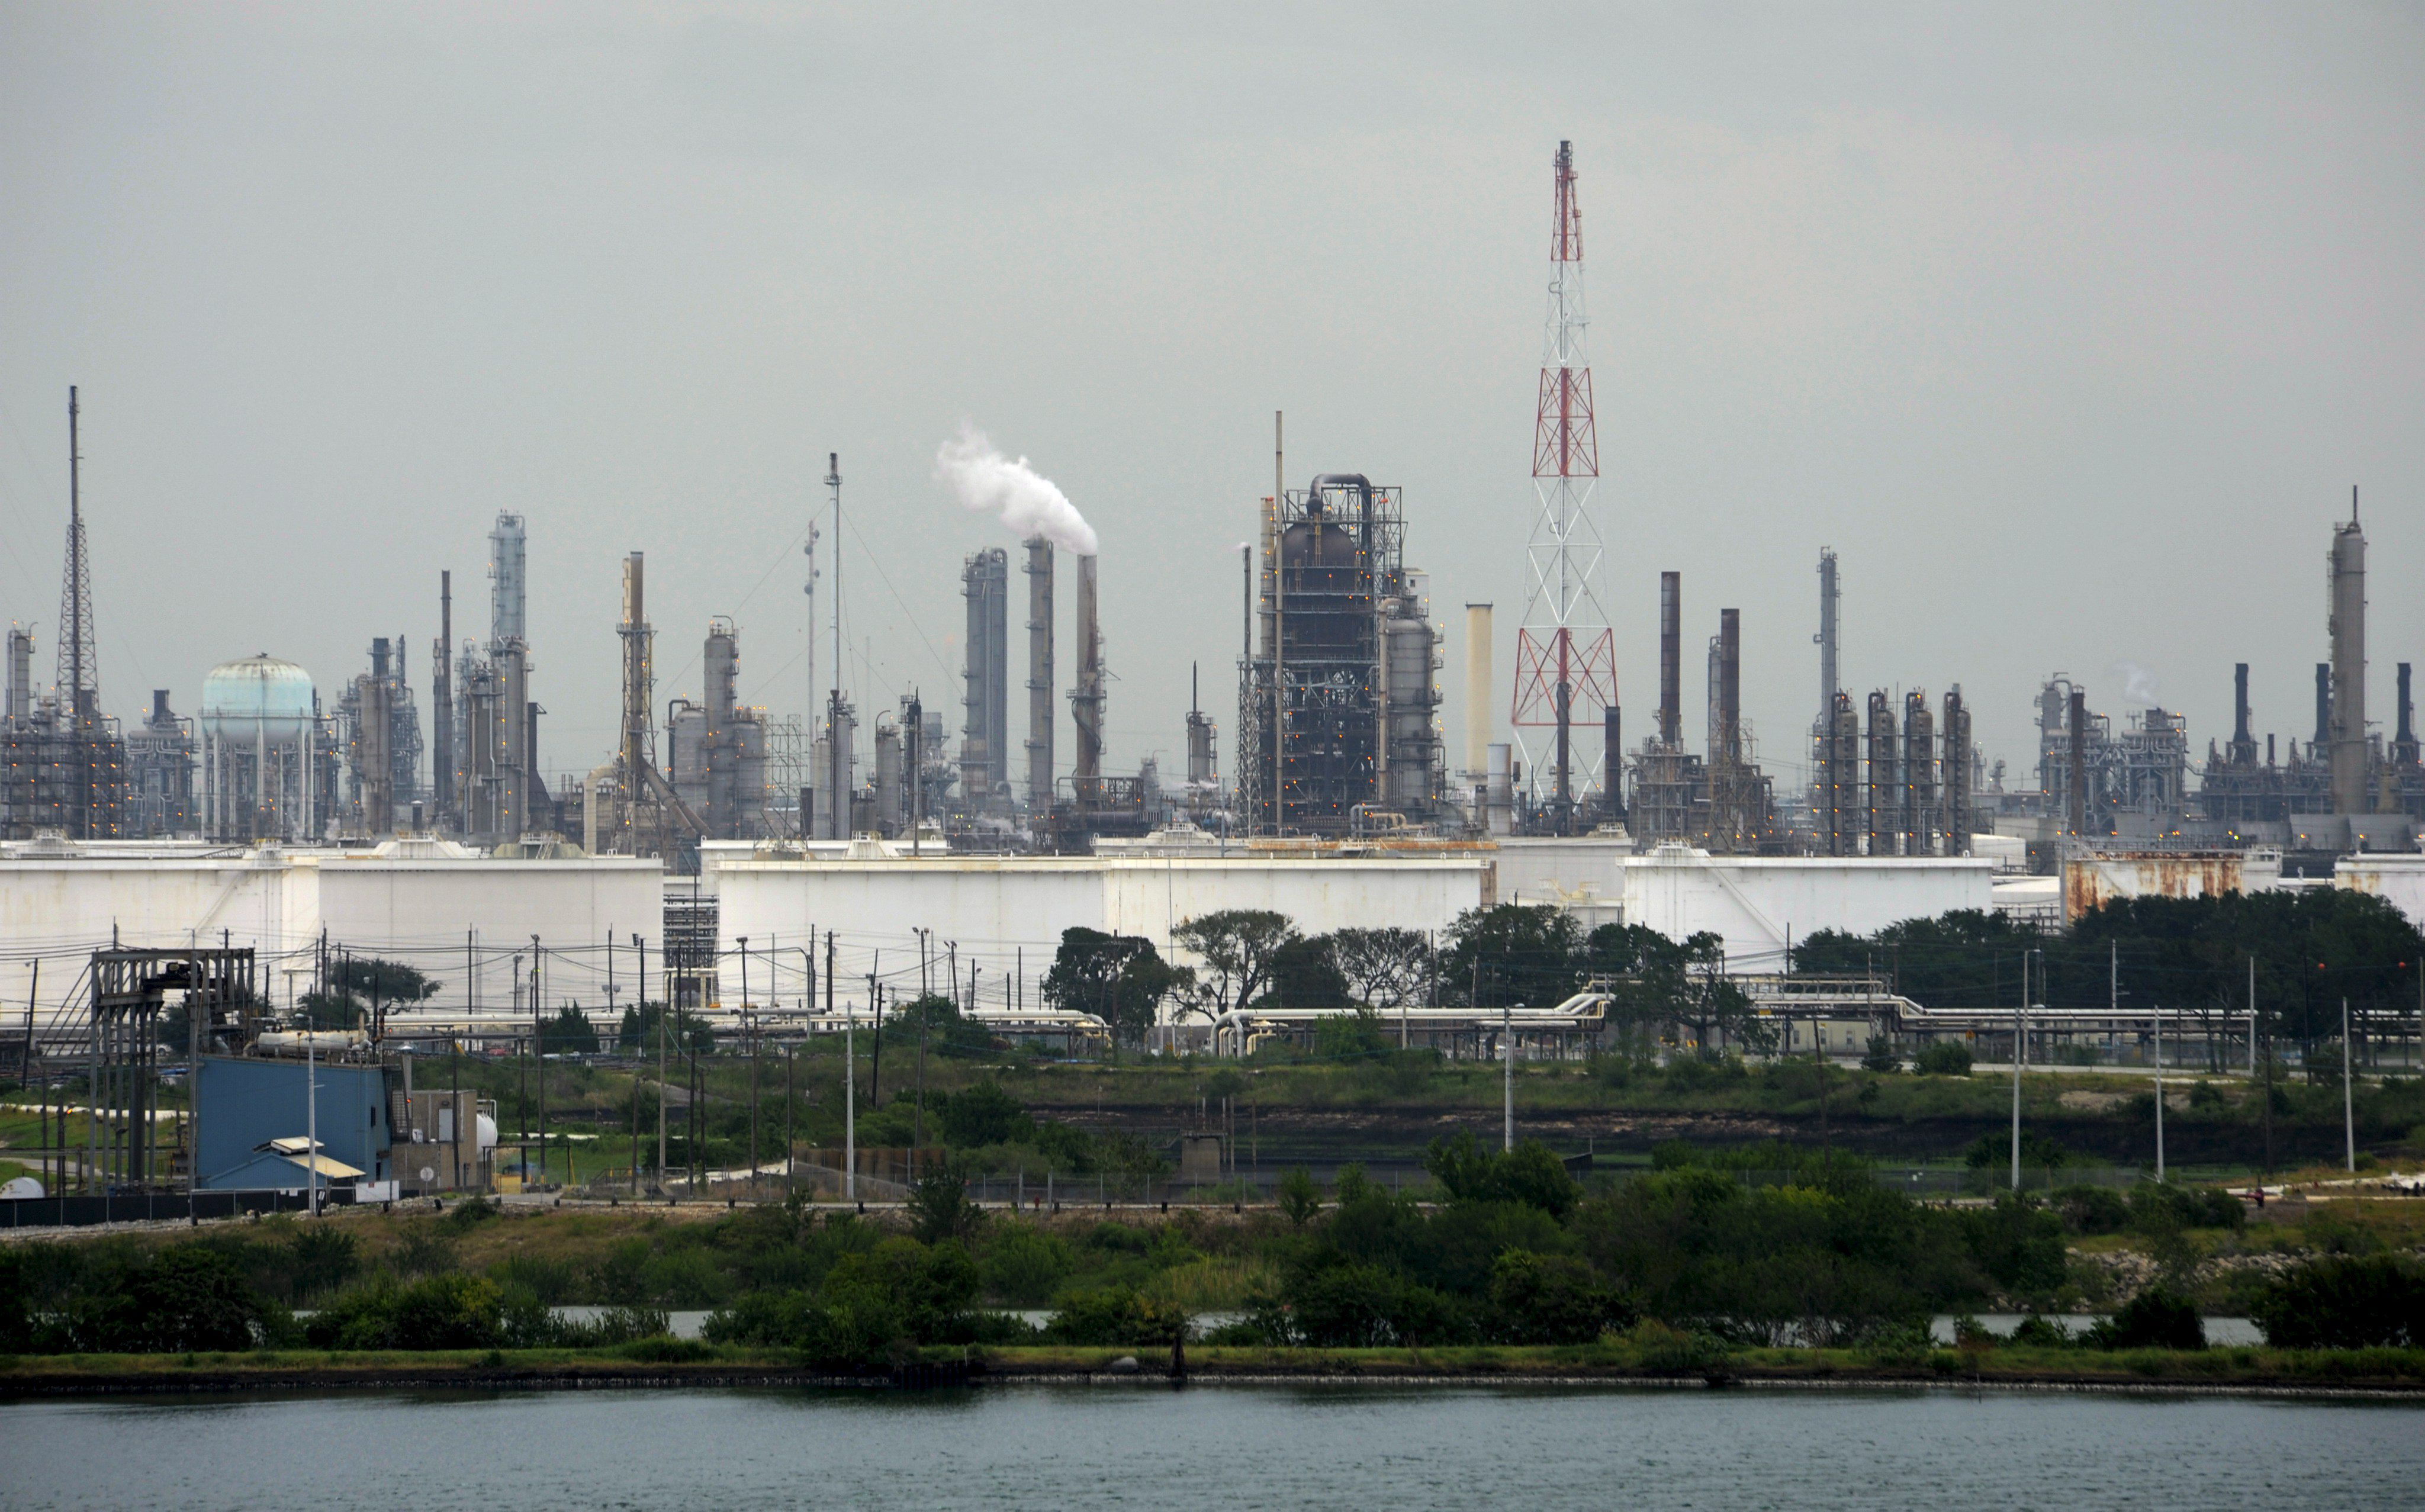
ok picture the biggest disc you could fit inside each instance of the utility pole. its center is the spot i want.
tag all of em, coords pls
(849, 1081)
(2349, 1099)
(538, 1039)
(2019, 1029)
(2159, 1092)
(641, 945)
(749, 1028)
(1507, 1049)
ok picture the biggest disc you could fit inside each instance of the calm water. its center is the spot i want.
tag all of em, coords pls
(1220, 1447)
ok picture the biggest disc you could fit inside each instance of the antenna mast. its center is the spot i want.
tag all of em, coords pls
(1565, 654)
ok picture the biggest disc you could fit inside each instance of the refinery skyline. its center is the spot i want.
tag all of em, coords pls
(1998, 356)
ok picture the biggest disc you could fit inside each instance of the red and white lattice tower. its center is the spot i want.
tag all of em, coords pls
(1565, 654)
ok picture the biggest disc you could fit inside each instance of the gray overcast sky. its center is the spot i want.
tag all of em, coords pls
(2069, 328)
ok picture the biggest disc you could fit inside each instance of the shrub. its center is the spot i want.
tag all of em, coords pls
(1114, 1316)
(1300, 1199)
(1882, 1056)
(186, 1299)
(2018, 1244)
(982, 1114)
(1673, 1351)
(1023, 1264)
(2345, 1303)
(939, 1207)
(1551, 1299)
(1528, 1174)
(1943, 1057)
(2160, 1206)
(2040, 1334)
(2092, 1209)
(321, 1258)
(437, 1313)
(2157, 1318)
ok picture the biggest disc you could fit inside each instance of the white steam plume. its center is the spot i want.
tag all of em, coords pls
(2138, 683)
(1028, 502)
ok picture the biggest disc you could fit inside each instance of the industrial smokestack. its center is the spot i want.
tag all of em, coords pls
(2243, 746)
(1612, 744)
(2320, 747)
(1039, 675)
(2078, 777)
(1086, 697)
(2348, 629)
(1671, 659)
(441, 712)
(1477, 691)
(1827, 628)
(1730, 685)
(2404, 745)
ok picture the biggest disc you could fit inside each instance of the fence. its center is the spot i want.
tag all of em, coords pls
(152, 1207)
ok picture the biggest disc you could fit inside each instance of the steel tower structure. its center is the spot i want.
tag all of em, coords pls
(1565, 654)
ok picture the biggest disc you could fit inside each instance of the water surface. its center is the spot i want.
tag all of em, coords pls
(1134, 1444)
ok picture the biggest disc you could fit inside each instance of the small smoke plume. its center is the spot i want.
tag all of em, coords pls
(2138, 684)
(1028, 502)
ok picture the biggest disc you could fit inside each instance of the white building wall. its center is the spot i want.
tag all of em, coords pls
(60, 909)
(1006, 914)
(1756, 904)
(424, 912)
(2393, 875)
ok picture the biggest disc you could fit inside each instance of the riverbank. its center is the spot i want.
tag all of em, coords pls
(661, 1364)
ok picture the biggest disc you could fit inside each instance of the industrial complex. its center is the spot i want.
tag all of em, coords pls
(220, 868)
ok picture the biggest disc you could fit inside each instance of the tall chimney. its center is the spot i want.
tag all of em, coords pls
(1671, 659)
(2348, 627)
(1039, 675)
(2404, 745)
(2244, 744)
(1730, 683)
(441, 710)
(1086, 697)
(1477, 691)
(2320, 749)
(2078, 778)
(1828, 598)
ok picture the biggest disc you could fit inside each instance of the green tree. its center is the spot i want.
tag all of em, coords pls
(1513, 953)
(1236, 947)
(570, 1033)
(1386, 966)
(939, 1207)
(1655, 981)
(947, 1031)
(1551, 1299)
(981, 1115)
(1300, 1199)
(1354, 1036)
(1530, 1174)
(1305, 974)
(2377, 1301)
(1119, 979)
(185, 1298)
